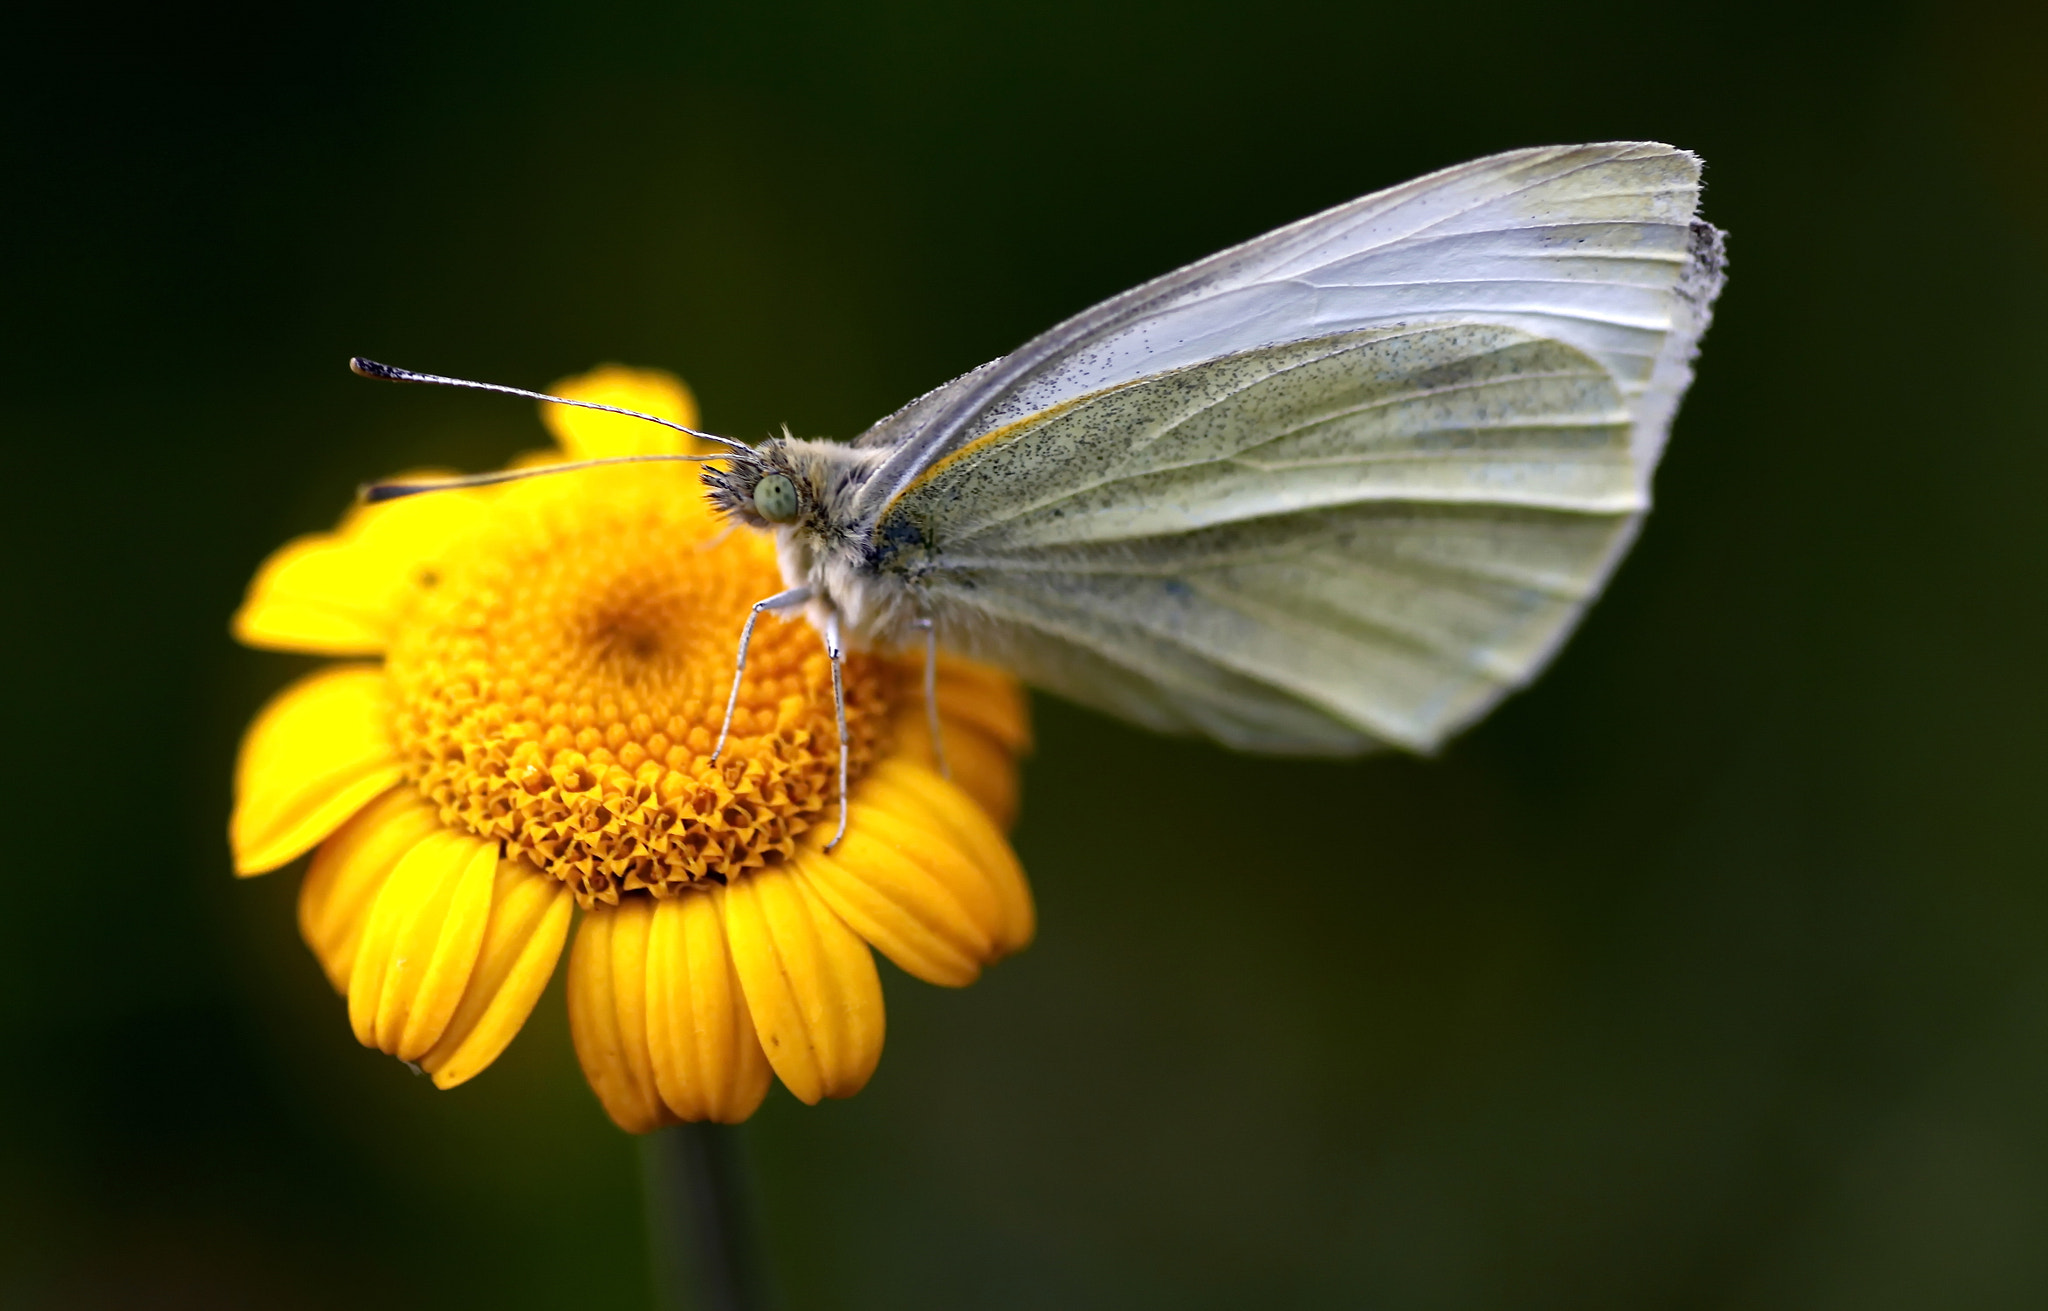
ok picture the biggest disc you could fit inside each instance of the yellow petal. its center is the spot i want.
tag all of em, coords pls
(904, 785)
(421, 944)
(809, 981)
(340, 593)
(707, 1063)
(986, 698)
(592, 435)
(982, 767)
(608, 1013)
(317, 754)
(528, 924)
(909, 892)
(349, 871)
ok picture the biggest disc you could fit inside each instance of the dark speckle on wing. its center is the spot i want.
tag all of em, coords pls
(899, 544)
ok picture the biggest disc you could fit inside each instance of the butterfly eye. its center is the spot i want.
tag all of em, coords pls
(775, 498)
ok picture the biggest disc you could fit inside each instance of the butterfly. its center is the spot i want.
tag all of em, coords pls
(1339, 488)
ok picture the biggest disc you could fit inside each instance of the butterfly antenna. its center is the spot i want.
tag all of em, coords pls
(378, 493)
(392, 373)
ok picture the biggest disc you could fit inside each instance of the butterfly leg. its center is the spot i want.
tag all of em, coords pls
(779, 601)
(714, 543)
(837, 654)
(931, 693)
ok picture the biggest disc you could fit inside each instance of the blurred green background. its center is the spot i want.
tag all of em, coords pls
(1712, 972)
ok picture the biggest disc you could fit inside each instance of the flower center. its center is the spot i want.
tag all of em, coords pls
(561, 681)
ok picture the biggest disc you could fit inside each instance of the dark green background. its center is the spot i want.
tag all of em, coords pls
(1712, 972)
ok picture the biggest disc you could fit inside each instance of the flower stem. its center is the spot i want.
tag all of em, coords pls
(700, 1226)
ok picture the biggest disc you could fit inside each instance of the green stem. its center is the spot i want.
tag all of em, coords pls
(700, 1225)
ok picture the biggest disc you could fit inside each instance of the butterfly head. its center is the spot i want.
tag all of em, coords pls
(764, 487)
(790, 483)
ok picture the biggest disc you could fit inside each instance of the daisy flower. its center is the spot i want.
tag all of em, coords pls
(523, 739)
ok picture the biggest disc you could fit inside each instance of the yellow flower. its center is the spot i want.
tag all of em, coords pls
(546, 664)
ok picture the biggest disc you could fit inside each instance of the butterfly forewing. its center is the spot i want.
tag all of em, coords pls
(1390, 528)
(1340, 487)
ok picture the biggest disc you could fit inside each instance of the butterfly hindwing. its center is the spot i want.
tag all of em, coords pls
(1387, 529)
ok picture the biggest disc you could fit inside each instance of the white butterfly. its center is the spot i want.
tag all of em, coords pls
(1343, 486)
